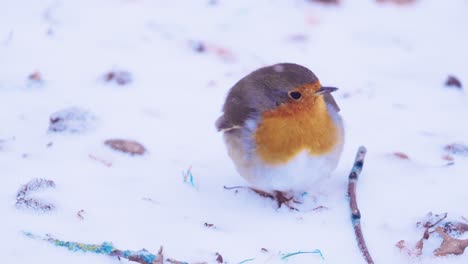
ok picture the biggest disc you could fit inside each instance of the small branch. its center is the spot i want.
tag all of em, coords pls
(355, 213)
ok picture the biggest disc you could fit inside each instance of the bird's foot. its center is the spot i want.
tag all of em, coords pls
(280, 197)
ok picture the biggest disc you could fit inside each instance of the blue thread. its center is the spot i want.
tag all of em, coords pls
(317, 251)
(245, 261)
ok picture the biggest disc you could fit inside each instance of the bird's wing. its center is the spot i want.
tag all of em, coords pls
(331, 101)
(222, 124)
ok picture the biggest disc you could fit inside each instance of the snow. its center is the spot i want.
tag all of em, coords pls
(389, 61)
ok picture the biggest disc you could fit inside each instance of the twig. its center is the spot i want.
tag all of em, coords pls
(355, 213)
(103, 161)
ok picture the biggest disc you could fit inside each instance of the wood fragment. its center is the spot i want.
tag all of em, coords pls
(431, 220)
(100, 160)
(355, 213)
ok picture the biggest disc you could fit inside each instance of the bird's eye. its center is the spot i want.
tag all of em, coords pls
(295, 95)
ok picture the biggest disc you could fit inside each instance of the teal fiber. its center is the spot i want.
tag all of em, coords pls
(303, 252)
(247, 260)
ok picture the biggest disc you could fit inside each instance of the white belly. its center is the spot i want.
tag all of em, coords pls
(301, 174)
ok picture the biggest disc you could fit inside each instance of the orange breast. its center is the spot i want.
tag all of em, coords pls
(293, 128)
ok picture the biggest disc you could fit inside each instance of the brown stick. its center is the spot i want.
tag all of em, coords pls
(355, 213)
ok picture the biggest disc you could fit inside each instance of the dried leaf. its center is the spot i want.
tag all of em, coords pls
(453, 81)
(219, 258)
(417, 249)
(401, 155)
(119, 77)
(35, 76)
(126, 146)
(447, 157)
(450, 245)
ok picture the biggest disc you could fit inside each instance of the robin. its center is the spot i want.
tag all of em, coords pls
(282, 130)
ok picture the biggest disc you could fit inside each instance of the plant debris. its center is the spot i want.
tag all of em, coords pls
(455, 228)
(450, 245)
(118, 77)
(457, 149)
(127, 146)
(219, 258)
(401, 155)
(23, 201)
(208, 225)
(431, 220)
(434, 223)
(35, 77)
(453, 81)
(80, 213)
(73, 120)
(100, 160)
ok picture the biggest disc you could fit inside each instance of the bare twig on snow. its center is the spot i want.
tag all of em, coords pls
(355, 213)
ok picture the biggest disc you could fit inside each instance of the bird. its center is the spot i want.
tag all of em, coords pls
(283, 131)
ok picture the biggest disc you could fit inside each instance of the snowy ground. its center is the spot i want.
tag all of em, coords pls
(390, 62)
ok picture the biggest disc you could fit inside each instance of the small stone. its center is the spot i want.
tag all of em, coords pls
(127, 146)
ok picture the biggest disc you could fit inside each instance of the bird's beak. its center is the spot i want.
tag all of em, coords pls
(323, 90)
